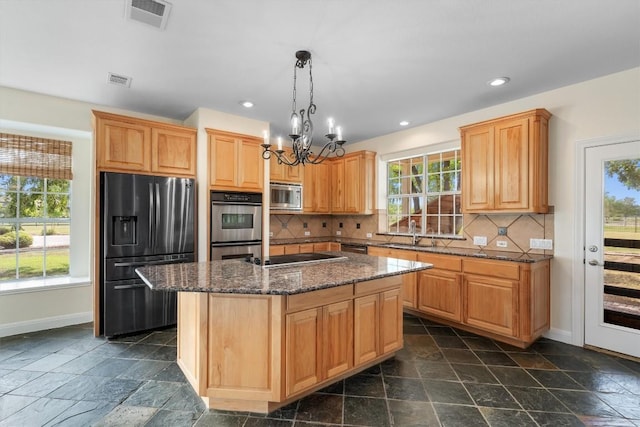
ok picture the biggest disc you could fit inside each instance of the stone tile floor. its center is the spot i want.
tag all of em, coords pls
(442, 377)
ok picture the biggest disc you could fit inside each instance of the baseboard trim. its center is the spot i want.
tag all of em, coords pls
(34, 325)
(559, 335)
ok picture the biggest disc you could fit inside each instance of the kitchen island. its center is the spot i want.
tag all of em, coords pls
(254, 339)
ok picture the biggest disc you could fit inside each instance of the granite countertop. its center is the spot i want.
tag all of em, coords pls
(466, 252)
(241, 277)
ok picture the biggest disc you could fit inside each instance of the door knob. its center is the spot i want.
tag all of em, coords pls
(593, 262)
(593, 248)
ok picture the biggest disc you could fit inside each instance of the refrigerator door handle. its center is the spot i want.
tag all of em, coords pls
(151, 209)
(158, 211)
(144, 263)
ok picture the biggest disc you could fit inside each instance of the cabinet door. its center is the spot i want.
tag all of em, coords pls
(491, 304)
(306, 248)
(390, 320)
(366, 329)
(440, 294)
(308, 189)
(409, 290)
(291, 249)
(124, 146)
(337, 186)
(303, 356)
(276, 250)
(477, 166)
(173, 152)
(337, 333)
(223, 161)
(322, 191)
(250, 165)
(352, 182)
(511, 154)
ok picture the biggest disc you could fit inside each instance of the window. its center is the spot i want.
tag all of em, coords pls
(425, 189)
(35, 196)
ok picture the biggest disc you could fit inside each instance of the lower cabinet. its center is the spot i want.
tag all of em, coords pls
(318, 345)
(440, 294)
(409, 281)
(504, 300)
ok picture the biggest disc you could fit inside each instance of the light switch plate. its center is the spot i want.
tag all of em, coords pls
(480, 240)
(501, 243)
(271, 234)
(369, 235)
(338, 233)
(307, 233)
(546, 244)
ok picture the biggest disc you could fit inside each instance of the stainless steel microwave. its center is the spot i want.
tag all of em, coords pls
(286, 196)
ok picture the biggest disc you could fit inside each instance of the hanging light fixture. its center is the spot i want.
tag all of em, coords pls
(302, 128)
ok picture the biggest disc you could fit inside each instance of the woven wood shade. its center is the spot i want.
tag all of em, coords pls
(35, 157)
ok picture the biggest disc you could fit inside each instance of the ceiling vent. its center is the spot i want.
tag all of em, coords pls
(119, 80)
(150, 12)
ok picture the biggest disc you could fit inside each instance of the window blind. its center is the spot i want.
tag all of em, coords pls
(35, 157)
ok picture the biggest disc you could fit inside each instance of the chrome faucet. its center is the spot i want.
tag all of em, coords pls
(412, 229)
(433, 235)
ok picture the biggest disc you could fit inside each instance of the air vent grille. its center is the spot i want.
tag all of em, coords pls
(119, 80)
(150, 12)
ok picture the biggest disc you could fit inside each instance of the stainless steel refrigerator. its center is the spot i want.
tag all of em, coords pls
(145, 220)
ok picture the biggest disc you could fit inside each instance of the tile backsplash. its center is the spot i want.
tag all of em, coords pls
(519, 229)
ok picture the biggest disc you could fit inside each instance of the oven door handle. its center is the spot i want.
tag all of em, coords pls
(235, 204)
(243, 243)
(143, 263)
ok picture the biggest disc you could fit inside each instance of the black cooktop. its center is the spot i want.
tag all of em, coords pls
(280, 260)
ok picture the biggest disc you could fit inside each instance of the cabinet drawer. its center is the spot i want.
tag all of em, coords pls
(317, 298)
(503, 269)
(306, 248)
(377, 285)
(443, 262)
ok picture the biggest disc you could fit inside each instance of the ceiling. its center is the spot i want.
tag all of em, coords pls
(375, 63)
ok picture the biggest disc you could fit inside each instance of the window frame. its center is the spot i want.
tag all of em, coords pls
(423, 217)
(18, 220)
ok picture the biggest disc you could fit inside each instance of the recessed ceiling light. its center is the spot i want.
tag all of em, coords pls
(498, 81)
(246, 104)
(404, 123)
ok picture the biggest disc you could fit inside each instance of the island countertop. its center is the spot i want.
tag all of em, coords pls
(241, 277)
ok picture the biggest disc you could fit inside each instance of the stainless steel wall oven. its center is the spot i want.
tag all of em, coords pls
(236, 225)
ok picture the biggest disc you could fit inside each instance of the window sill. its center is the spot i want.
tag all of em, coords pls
(39, 285)
(426, 236)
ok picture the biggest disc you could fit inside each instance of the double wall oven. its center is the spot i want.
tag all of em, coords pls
(236, 225)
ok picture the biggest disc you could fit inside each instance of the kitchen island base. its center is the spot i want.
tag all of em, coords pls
(256, 353)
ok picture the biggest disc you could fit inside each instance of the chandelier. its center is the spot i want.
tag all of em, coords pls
(302, 128)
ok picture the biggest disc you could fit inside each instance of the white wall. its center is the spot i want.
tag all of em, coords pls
(603, 107)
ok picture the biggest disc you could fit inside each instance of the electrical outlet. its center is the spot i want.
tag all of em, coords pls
(502, 231)
(271, 234)
(369, 235)
(546, 244)
(501, 243)
(338, 233)
(307, 233)
(480, 240)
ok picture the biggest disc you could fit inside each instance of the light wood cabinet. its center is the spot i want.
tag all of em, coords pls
(295, 248)
(505, 164)
(353, 183)
(377, 320)
(281, 172)
(128, 144)
(440, 288)
(235, 161)
(409, 280)
(317, 188)
(319, 345)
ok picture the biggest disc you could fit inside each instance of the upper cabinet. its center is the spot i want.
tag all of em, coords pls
(317, 188)
(235, 161)
(128, 144)
(505, 165)
(280, 172)
(353, 183)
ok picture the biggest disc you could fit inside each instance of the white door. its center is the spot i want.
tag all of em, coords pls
(612, 247)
